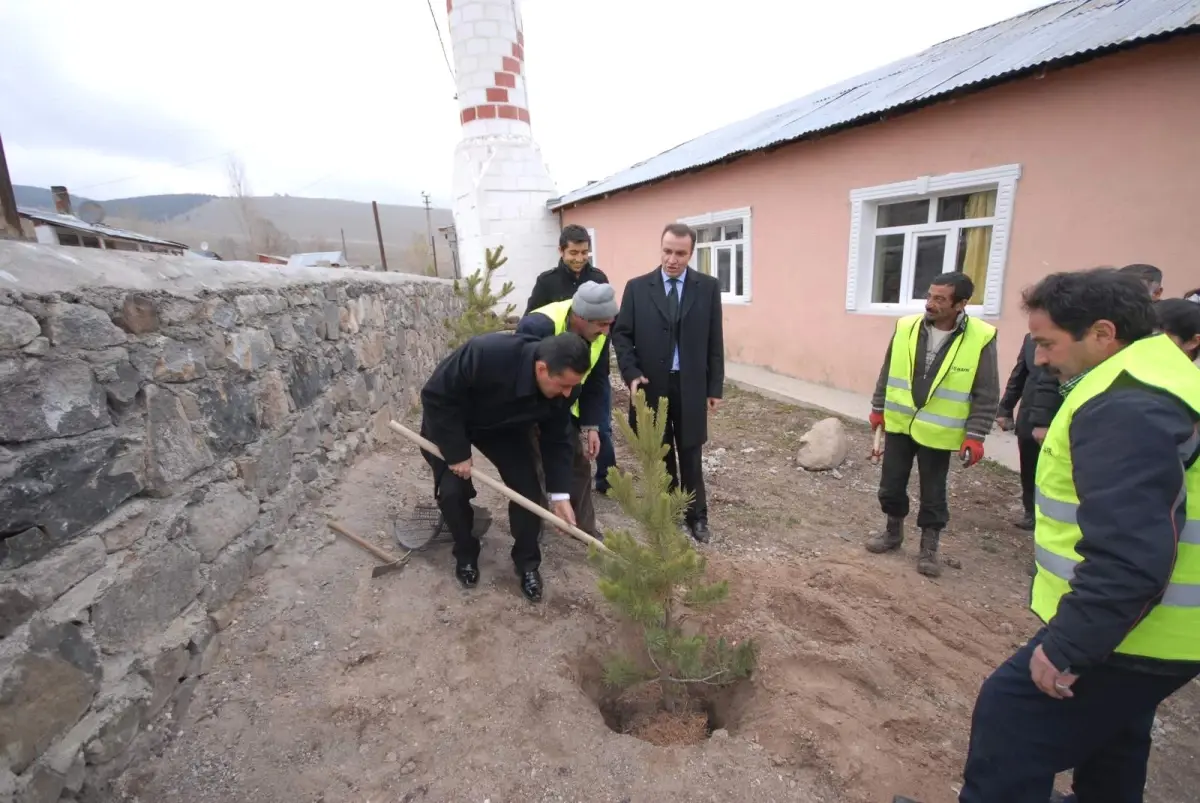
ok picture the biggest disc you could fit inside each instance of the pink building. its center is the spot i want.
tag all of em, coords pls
(1065, 138)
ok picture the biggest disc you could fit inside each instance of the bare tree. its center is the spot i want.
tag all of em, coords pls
(262, 236)
(417, 258)
(243, 198)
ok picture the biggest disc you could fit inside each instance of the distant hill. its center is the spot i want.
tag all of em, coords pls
(156, 207)
(292, 225)
(40, 197)
(143, 207)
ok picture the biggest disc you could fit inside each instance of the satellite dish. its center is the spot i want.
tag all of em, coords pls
(91, 212)
(204, 246)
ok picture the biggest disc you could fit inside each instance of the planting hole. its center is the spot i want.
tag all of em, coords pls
(640, 713)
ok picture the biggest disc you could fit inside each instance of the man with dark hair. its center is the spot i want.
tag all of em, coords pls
(589, 314)
(937, 394)
(669, 342)
(1118, 556)
(575, 267)
(1036, 389)
(1179, 319)
(490, 392)
(1149, 275)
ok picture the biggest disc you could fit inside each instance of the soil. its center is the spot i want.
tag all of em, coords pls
(336, 687)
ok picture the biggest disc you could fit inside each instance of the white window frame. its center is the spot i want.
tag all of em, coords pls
(864, 203)
(592, 256)
(741, 215)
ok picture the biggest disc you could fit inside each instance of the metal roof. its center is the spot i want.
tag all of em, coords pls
(318, 259)
(98, 229)
(1057, 32)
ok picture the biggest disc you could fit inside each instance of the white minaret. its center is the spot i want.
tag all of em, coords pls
(501, 184)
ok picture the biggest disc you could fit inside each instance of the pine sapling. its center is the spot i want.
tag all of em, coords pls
(479, 314)
(652, 576)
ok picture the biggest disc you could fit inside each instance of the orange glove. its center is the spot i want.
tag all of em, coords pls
(971, 452)
(876, 420)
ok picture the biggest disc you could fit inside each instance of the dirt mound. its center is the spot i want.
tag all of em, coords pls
(335, 687)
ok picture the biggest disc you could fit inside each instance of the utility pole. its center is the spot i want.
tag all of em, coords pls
(10, 221)
(345, 253)
(429, 229)
(379, 235)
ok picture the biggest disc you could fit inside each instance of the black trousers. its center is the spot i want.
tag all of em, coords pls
(581, 487)
(1028, 449)
(683, 462)
(1021, 738)
(933, 466)
(512, 454)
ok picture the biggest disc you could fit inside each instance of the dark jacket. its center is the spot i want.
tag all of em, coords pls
(1035, 388)
(560, 283)
(590, 394)
(487, 385)
(1126, 450)
(985, 394)
(642, 340)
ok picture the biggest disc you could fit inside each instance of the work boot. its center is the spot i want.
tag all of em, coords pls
(1025, 523)
(927, 561)
(890, 539)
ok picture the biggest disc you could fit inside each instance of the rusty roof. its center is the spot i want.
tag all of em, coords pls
(1061, 32)
(98, 229)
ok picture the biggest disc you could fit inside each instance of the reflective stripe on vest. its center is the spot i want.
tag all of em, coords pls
(559, 312)
(942, 422)
(1171, 630)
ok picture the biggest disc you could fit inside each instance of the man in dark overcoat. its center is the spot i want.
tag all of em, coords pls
(1036, 389)
(669, 342)
(490, 393)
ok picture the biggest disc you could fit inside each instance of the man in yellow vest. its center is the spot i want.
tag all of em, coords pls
(1117, 537)
(589, 314)
(937, 394)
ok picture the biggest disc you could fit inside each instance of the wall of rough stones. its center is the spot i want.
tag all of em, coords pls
(161, 419)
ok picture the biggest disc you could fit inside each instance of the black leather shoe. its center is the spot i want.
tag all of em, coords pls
(602, 488)
(700, 531)
(1025, 523)
(531, 585)
(467, 574)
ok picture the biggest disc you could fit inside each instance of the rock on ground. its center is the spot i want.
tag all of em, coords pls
(824, 446)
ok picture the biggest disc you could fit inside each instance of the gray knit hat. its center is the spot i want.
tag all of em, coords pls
(595, 302)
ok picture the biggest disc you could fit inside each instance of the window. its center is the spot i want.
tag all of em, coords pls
(723, 250)
(592, 236)
(904, 235)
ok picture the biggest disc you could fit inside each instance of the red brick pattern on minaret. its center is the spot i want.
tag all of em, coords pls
(450, 7)
(498, 105)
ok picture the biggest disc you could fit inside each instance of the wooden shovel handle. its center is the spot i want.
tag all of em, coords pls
(365, 544)
(877, 445)
(504, 490)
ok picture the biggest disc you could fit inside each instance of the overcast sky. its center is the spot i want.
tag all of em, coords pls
(353, 100)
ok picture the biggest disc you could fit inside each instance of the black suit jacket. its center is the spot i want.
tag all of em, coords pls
(1035, 388)
(487, 386)
(641, 338)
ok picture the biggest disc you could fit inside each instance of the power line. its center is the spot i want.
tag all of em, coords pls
(438, 28)
(139, 175)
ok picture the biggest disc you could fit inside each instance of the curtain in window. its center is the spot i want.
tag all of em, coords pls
(978, 241)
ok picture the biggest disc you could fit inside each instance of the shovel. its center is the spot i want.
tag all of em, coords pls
(387, 562)
(504, 490)
(877, 446)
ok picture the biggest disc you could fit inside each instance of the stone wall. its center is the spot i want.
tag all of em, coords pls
(160, 421)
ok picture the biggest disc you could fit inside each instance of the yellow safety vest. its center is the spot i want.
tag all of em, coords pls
(558, 312)
(942, 422)
(1171, 631)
